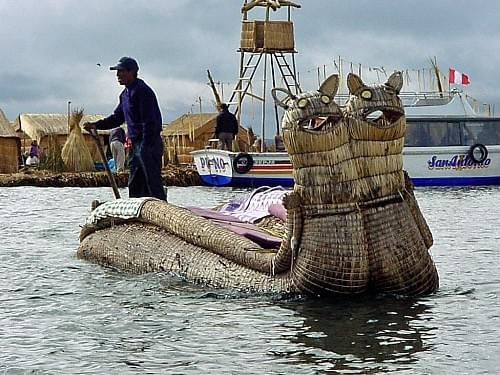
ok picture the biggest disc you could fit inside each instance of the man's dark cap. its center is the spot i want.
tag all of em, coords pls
(125, 63)
(224, 106)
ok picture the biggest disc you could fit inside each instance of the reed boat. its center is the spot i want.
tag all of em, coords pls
(352, 223)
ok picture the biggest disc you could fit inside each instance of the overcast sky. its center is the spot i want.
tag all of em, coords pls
(50, 49)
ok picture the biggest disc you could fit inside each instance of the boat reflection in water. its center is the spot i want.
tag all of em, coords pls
(372, 335)
(446, 144)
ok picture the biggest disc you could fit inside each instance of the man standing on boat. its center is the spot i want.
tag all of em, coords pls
(226, 128)
(138, 107)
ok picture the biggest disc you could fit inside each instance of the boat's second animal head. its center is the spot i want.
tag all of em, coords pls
(378, 105)
(343, 156)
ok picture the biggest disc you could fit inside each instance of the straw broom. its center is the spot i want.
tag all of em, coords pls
(75, 152)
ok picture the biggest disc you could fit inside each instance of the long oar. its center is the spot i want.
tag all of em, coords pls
(111, 178)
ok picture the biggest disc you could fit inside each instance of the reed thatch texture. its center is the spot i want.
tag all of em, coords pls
(278, 35)
(268, 35)
(10, 145)
(359, 212)
(161, 251)
(75, 153)
(51, 158)
(249, 38)
(191, 132)
(42, 126)
(202, 232)
(353, 224)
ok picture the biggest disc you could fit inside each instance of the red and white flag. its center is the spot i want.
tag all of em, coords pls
(458, 78)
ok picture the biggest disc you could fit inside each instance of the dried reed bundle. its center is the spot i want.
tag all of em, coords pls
(278, 35)
(75, 153)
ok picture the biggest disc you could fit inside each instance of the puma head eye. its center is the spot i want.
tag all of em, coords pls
(325, 99)
(302, 103)
(366, 94)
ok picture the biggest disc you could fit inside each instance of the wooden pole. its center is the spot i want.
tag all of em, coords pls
(239, 86)
(200, 122)
(274, 86)
(263, 125)
(93, 133)
(69, 114)
(214, 90)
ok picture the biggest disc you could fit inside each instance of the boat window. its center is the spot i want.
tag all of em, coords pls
(487, 133)
(429, 134)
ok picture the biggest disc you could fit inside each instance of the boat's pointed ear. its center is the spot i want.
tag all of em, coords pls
(354, 83)
(395, 81)
(330, 86)
(282, 102)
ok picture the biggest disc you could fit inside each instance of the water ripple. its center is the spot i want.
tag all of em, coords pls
(62, 315)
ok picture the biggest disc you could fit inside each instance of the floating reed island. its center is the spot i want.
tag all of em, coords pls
(352, 223)
(172, 175)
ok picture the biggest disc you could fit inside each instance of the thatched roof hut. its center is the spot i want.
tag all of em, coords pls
(9, 146)
(40, 127)
(192, 131)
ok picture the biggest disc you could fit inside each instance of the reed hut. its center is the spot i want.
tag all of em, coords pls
(190, 132)
(10, 145)
(41, 127)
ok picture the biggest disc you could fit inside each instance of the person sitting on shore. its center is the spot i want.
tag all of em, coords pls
(33, 158)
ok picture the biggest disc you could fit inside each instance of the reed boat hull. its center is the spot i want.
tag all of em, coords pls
(352, 223)
(379, 249)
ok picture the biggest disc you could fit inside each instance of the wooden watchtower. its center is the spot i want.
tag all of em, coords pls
(272, 43)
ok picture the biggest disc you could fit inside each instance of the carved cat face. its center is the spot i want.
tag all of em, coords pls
(313, 111)
(379, 105)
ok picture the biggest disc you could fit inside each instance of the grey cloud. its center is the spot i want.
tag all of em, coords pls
(50, 48)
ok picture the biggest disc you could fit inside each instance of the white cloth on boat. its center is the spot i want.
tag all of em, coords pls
(255, 205)
(119, 208)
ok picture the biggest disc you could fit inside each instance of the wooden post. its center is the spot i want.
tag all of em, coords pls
(263, 126)
(201, 122)
(69, 113)
(274, 103)
(111, 178)
(214, 90)
(240, 86)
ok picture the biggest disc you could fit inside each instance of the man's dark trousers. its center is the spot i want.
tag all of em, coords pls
(145, 170)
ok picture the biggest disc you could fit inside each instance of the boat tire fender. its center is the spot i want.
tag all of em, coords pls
(242, 163)
(478, 153)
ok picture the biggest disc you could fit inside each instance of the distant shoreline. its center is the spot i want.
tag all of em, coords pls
(172, 176)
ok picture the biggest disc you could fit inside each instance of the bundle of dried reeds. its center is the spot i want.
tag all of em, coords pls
(75, 153)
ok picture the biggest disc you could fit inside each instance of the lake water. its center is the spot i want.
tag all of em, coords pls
(63, 315)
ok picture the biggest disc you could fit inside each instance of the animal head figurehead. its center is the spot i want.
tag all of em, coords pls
(313, 111)
(379, 105)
